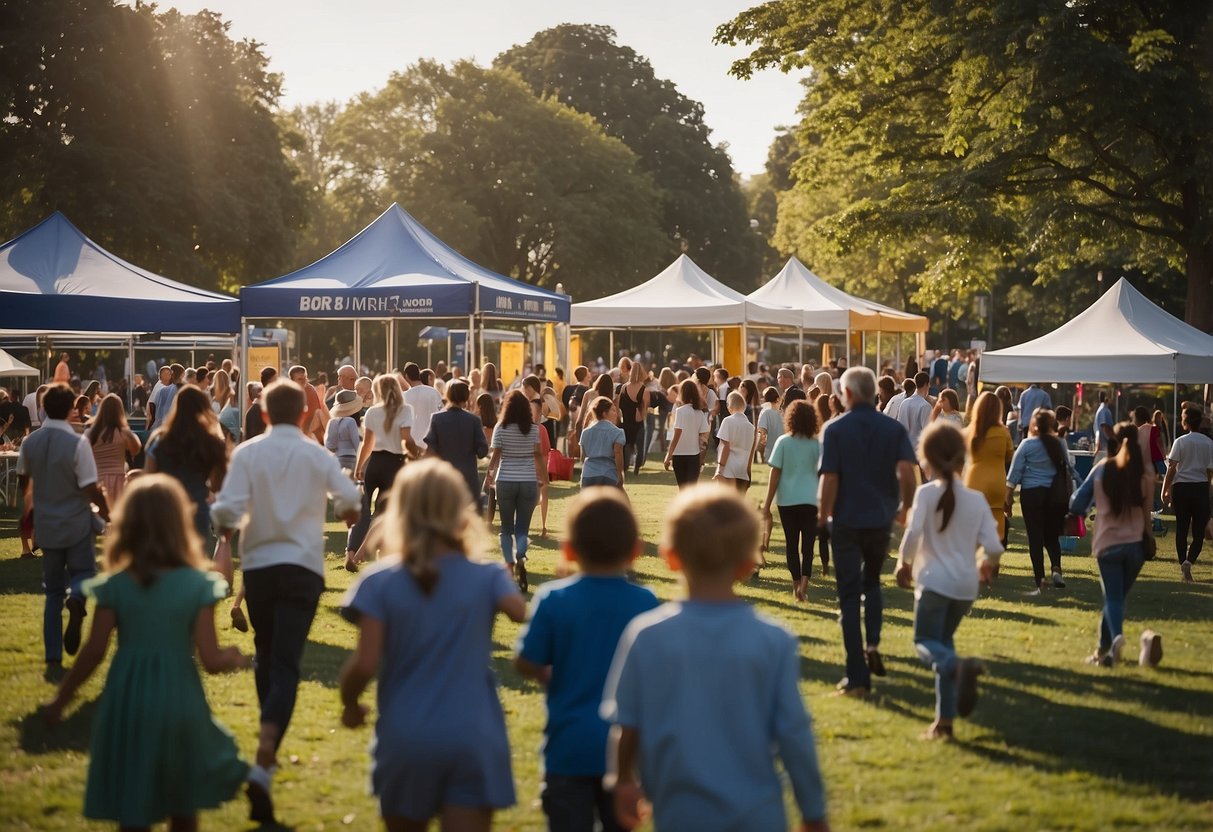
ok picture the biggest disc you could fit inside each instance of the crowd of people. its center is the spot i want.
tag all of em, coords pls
(402, 459)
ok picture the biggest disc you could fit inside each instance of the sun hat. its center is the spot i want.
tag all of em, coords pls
(346, 403)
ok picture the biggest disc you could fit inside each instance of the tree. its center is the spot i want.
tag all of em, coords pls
(1059, 134)
(528, 187)
(703, 210)
(154, 132)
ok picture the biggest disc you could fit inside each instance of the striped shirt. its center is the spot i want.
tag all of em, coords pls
(517, 453)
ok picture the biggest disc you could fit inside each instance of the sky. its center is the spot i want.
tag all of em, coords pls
(334, 50)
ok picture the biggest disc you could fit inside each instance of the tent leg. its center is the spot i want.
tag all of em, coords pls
(358, 346)
(800, 349)
(863, 347)
(469, 355)
(480, 354)
(878, 340)
(391, 340)
(130, 374)
(242, 363)
(848, 349)
(610, 349)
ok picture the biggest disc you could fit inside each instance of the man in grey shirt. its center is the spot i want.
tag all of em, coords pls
(58, 476)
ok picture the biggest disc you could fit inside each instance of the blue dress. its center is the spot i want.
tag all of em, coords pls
(440, 738)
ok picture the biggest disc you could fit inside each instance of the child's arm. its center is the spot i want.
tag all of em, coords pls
(514, 607)
(360, 669)
(725, 449)
(794, 737)
(630, 807)
(90, 656)
(214, 658)
(540, 673)
(910, 542)
(669, 453)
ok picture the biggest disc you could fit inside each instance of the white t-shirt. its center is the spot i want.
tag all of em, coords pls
(709, 399)
(945, 562)
(894, 406)
(738, 431)
(425, 401)
(692, 423)
(387, 438)
(1193, 455)
(31, 404)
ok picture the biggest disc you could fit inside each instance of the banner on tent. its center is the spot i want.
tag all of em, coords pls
(432, 302)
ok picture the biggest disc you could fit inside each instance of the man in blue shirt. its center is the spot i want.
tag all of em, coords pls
(1104, 422)
(939, 373)
(868, 476)
(568, 645)
(1030, 401)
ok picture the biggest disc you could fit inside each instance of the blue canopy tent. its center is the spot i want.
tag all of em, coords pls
(395, 268)
(55, 279)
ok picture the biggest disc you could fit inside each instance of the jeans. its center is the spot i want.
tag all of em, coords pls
(571, 804)
(1191, 503)
(590, 482)
(686, 469)
(1118, 568)
(282, 602)
(800, 530)
(858, 556)
(1042, 521)
(64, 569)
(377, 478)
(516, 501)
(936, 618)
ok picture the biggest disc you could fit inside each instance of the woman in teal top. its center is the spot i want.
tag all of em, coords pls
(793, 488)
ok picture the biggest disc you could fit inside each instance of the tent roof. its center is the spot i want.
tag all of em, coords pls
(826, 307)
(681, 295)
(52, 277)
(396, 268)
(10, 366)
(1121, 338)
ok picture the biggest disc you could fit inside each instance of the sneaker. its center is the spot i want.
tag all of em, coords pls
(260, 804)
(845, 688)
(938, 732)
(875, 663)
(520, 574)
(1118, 647)
(75, 619)
(1058, 581)
(1100, 658)
(1151, 649)
(967, 671)
(1186, 569)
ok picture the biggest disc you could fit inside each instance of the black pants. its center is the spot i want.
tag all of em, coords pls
(377, 479)
(572, 802)
(823, 546)
(686, 469)
(800, 530)
(1042, 521)
(282, 602)
(1191, 503)
(633, 445)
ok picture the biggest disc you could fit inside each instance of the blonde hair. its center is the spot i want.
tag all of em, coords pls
(637, 375)
(152, 530)
(712, 530)
(388, 393)
(941, 448)
(221, 388)
(735, 402)
(430, 511)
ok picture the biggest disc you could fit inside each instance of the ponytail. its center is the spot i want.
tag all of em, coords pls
(942, 449)
(947, 503)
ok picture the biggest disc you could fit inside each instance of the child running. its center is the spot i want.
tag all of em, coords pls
(947, 524)
(703, 693)
(568, 645)
(425, 620)
(156, 752)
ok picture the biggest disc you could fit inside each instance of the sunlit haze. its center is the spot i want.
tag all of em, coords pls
(334, 50)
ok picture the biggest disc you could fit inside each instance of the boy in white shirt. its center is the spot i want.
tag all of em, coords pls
(737, 437)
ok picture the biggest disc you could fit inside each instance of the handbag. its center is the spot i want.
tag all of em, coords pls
(1074, 526)
(560, 467)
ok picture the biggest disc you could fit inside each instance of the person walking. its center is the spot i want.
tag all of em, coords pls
(425, 401)
(1030, 401)
(602, 446)
(633, 404)
(990, 453)
(162, 400)
(691, 427)
(111, 440)
(868, 476)
(914, 414)
(57, 473)
(517, 469)
(1102, 427)
(1043, 471)
(342, 435)
(792, 487)
(190, 448)
(1121, 487)
(456, 435)
(1186, 488)
(276, 492)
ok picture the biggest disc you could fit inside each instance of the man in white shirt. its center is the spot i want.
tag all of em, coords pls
(276, 491)
(914, 414)
(425, 401)
(31, 404)
(894, 405)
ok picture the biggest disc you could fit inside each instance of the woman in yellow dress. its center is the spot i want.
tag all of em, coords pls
(990, 451)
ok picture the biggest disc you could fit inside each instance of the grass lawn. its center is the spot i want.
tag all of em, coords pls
(1054, 743)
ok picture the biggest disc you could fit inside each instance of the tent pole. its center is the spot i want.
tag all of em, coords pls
(1175, 408)
(358, 346)
(863, 347)
(848, 350)
(468, 353)
(800, 350)
(610, 349)
(130, 374)
(879, 333)
(391, 339)
(242, 363)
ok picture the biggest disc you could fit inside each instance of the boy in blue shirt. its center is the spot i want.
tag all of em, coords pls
(703, 693)
(568, 645)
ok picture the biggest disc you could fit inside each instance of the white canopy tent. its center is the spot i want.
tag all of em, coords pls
(11, 367)
(826, 308)
(682, 296)
(1121, 338)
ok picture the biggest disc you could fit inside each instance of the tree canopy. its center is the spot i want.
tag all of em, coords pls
(703, 211)
(1055, 135)
(153, 131)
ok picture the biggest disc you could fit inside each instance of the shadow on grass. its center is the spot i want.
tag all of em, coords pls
(322, 663)
(21, 576)
(72, 734)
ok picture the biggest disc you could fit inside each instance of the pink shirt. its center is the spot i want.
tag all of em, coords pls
(1115, 530)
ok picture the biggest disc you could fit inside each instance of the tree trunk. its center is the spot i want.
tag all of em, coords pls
(1199, 309)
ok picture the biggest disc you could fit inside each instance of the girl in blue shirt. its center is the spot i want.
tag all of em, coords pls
(793, 488)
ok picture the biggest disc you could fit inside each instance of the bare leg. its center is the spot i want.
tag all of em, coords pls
(543, 510)
(464, 819)
(267, 747)
(188, 823)
(405, 825)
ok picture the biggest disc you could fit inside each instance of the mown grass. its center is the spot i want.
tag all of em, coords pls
(1054, 744)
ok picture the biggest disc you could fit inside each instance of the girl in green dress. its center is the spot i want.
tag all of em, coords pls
(156, 751)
